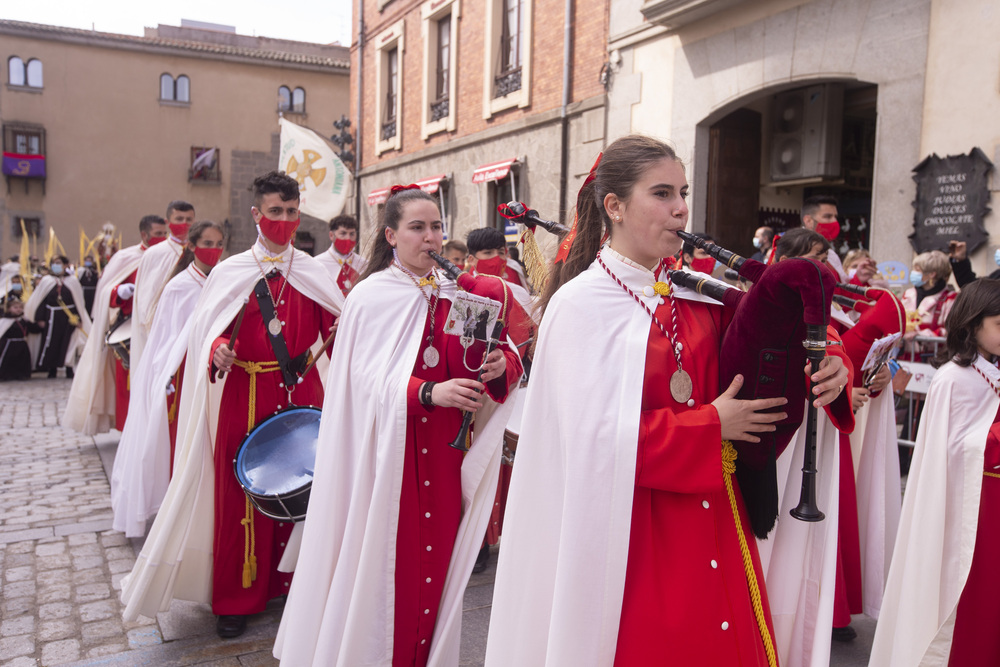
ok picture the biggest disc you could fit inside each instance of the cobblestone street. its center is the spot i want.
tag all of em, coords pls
(61, 565)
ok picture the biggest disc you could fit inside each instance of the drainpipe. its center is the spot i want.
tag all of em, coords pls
(357, 114)
(563, 116)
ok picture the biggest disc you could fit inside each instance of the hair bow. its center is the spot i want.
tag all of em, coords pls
(399, 188)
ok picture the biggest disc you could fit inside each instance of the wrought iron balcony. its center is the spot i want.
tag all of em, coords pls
(508, 83)
(388, 130)
(439, 110)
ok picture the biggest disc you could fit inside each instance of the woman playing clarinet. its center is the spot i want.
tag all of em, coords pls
(626, 540)
(396, 515)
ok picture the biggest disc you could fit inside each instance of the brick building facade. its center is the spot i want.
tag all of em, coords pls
(480, 102)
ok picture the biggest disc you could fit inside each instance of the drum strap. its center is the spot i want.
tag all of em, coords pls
(277, 341)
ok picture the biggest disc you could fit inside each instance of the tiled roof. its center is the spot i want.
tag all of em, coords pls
(132, 41)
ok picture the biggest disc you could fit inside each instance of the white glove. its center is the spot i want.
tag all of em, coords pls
(125, 291)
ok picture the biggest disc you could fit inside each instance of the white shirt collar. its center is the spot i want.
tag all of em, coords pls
(260, 252)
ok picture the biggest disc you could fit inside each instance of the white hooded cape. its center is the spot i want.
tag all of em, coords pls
(142, 464)
(566, 537)
(341, 605)
(874, 446)
(799, 558)
(176, 559)
(45, 285)
(937, 529)
(90, 407)
(155, 269)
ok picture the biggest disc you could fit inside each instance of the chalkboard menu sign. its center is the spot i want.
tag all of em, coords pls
(952, 199)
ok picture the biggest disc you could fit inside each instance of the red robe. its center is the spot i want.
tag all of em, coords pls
(975, 641)
(686, 598)
(305, 322)
(430, 504)
(121, 373)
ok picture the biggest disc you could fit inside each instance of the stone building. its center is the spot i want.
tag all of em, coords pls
(104, 127)
(771, 101)
(479, 102)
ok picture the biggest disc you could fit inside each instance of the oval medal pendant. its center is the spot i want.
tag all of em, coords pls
(431, 357)
(274, 327)
(681, 386)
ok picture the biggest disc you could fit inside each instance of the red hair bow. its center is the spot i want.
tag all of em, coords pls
(399, 188)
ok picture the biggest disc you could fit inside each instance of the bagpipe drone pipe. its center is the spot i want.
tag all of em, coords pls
(777, 326)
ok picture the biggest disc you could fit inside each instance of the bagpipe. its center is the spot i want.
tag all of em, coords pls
(489, 287)
(777, 327)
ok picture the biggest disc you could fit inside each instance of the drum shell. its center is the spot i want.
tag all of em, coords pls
(118, 344)
(286, 505)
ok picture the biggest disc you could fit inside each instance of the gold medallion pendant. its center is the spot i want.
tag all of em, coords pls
(681, 386)
(274, 327)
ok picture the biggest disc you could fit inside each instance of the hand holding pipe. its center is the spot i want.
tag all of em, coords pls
(807, 510)
(463, 431)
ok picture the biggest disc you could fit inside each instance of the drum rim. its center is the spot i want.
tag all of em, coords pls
(253, 495)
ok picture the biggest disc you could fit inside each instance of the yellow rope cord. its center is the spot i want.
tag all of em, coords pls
(728, 470)
(991, 474)
(252, 368)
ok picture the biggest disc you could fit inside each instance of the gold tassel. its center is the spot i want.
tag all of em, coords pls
(534, 262)
(249, 559)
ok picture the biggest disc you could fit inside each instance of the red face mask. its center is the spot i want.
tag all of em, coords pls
(460, 265)
(208, 256)
(278, 232)
(494, 266)
(179, 231)
(828, 230)
(703, 265)
(344, 246)
(153, 240)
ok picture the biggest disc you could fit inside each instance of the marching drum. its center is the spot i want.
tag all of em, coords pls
(118, 338)
(275, 462)
(513, 430)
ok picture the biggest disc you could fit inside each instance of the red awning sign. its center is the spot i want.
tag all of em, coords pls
(492, 172)
(378, 196)
(431, 185)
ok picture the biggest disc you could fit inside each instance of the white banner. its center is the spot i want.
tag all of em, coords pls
(324, 181)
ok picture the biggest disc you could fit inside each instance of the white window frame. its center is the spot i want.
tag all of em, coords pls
(519, 98)
(431, 12)
(385, 41)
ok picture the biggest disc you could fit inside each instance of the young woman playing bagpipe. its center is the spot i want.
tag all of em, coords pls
(626, 538)
(396, 516)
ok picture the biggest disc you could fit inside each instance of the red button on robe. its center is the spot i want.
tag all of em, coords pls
(430, 504)
(305, 321)
(686, 599)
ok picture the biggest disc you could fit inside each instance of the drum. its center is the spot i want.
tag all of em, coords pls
(118, 340)
(274, 463)
(513, 431)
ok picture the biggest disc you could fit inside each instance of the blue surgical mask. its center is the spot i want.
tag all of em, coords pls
(996, 256)
(15, 287)
(89, 263)
(757, 243)
(56, 270)
(916, 278)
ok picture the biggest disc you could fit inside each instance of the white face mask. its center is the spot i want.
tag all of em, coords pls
(996, 256)
(852, 272)
(757, 243)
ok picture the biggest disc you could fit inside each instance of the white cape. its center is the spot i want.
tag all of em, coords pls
(90, 407)
(875, 450)
(176, 559)
(142, 464)
(799, 558)
(341, 605)
(580, 424)
(79, 337)
(155, 269)
(937, 529)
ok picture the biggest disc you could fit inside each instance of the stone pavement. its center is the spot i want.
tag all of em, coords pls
(61, 565)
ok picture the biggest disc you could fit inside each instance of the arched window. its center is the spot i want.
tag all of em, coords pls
(183, 89)
(35, 73)
(15, 71)
(166, 87)
(284, 99)
(299, 100)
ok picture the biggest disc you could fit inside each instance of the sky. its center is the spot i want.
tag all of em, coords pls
(321, 21)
